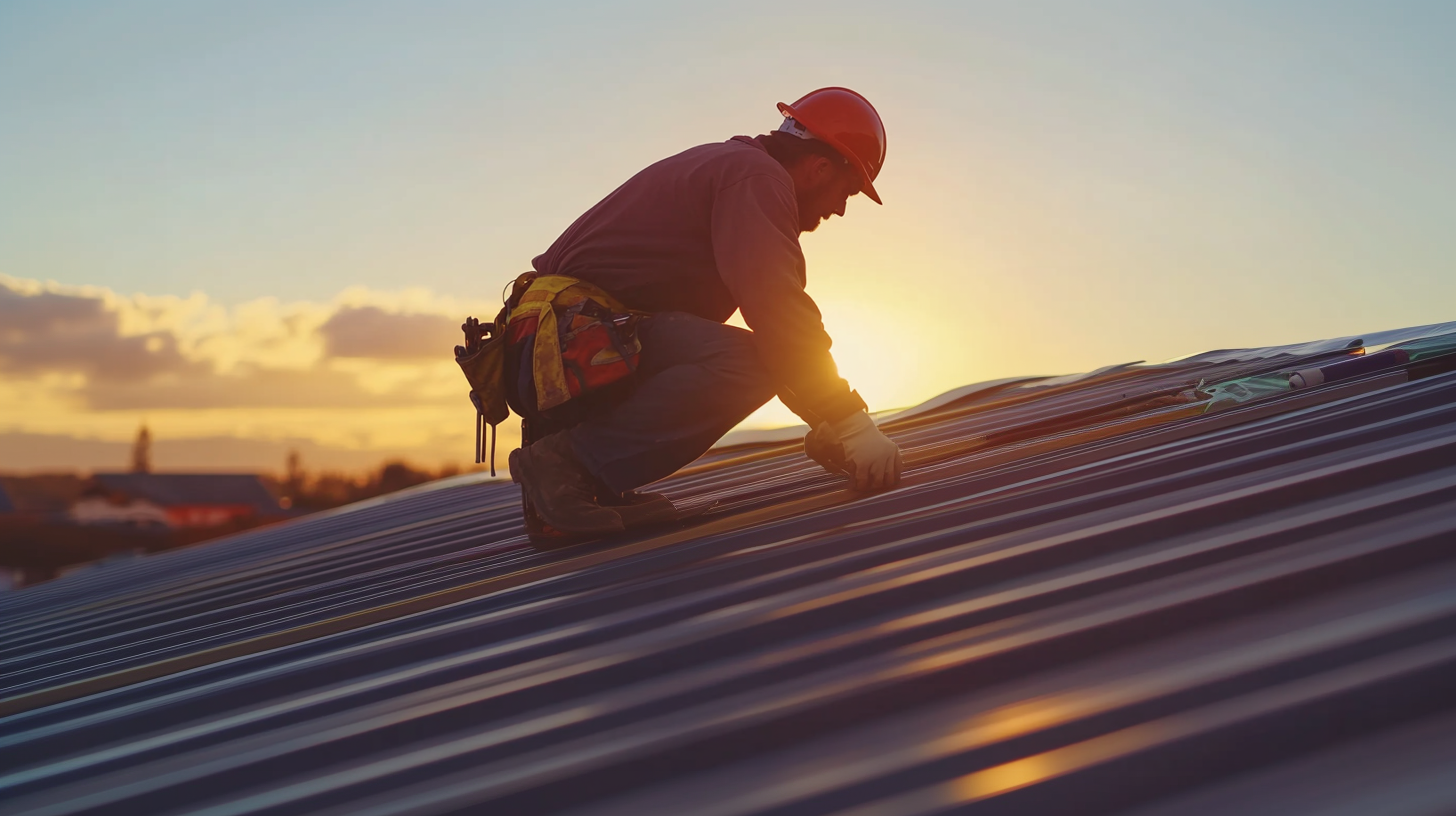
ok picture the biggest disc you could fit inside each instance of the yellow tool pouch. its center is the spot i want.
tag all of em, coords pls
(578, 337)
(571, 337)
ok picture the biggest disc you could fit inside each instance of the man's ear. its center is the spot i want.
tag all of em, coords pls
(820, 168)
(813, 170)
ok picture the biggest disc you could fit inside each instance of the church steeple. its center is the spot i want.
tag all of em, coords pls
(141, 451)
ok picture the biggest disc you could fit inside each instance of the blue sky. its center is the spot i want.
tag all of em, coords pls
(1067, 185)
(292, 149)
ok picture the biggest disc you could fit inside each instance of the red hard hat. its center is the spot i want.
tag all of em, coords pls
(849, 124)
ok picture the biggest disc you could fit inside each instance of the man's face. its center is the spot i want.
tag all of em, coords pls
(822, 188)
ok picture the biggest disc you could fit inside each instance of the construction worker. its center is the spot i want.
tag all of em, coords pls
(686, 242)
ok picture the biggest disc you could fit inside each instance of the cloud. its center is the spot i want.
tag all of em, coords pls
(367, 371)
(364, 370)
(369, 331)
(111, 352)
(48, 331)
(248, 388)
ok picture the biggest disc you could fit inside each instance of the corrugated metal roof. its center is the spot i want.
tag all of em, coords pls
(1086, 597)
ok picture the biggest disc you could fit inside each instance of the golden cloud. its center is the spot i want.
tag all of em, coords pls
(365, 371)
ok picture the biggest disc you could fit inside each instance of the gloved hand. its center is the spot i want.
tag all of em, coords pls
(855, 447)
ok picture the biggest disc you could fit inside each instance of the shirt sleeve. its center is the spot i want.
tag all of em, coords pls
(756, 247)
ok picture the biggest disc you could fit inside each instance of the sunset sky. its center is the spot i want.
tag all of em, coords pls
(257, 226)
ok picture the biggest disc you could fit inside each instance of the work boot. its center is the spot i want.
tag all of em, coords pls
(639, 510)
(559, 488)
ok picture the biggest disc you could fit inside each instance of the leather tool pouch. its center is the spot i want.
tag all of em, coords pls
(485, 370)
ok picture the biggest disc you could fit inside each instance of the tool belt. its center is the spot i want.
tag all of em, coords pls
(557, 338)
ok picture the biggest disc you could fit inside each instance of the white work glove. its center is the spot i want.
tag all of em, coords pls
(854, 447)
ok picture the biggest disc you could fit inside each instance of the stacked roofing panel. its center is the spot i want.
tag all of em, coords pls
(1090, 595)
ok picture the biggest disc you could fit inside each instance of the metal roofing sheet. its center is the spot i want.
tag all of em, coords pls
(1080, 600)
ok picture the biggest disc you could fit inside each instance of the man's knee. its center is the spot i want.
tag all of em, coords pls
(727, 354)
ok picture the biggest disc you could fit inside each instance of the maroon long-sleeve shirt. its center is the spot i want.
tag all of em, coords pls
(712, 230)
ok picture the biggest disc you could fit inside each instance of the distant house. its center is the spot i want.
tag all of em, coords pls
(100, 506)
(41, 498)
(174, 499)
